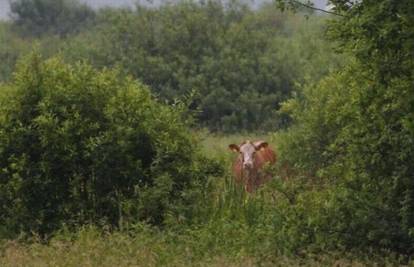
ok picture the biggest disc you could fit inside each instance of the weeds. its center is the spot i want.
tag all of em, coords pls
(233, 228)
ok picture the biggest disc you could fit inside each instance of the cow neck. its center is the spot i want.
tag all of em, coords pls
(250, 174)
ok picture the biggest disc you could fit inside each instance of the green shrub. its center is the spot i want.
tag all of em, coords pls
(82, 146)
(354, 133)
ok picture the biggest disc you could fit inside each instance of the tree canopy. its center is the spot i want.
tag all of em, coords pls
(241, 63)
(60, 17)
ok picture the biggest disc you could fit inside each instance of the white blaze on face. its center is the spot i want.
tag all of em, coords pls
(248, 151)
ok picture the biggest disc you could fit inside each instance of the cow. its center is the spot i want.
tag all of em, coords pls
(248, 167)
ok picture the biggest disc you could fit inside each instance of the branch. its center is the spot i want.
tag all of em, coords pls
(315, 8)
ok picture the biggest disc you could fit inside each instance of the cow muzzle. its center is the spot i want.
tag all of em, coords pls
(247, 165)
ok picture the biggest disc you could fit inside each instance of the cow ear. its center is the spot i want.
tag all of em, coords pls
(234, 147)
(260, 145)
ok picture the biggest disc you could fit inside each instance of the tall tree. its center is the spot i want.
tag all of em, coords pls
(61, 17)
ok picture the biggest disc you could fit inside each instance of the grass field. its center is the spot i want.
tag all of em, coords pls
(94, 248)
(216, 145)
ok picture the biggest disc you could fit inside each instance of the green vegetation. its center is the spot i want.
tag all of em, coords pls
(146, 247)
(115, 151)
(56, 17)
(11, 48)
(241, 64)
(354, 132)
(80, 146)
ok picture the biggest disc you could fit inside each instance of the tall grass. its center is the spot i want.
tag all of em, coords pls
(233, 229)
(92, 247)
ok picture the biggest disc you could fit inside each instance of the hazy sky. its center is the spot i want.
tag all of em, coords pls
(5, 9)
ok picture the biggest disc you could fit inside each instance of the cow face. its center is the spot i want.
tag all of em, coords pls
(247, 152)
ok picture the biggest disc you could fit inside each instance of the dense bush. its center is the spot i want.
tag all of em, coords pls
(354, 131)
(81, 146)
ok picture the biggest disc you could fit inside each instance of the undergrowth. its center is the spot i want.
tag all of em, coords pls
(273, 227)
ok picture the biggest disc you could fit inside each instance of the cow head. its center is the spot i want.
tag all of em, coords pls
(248, 151)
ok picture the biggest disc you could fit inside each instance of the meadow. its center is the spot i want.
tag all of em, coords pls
(145, 247)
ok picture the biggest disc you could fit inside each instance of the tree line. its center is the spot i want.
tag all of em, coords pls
(238, 63)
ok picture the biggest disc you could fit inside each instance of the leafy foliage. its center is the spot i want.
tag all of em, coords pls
(81, 146)
(61, 17)
(354, 128)
(11, 48)
(242, 63)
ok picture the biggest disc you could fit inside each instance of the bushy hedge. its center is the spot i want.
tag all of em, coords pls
(84, 146)
(354, 132)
